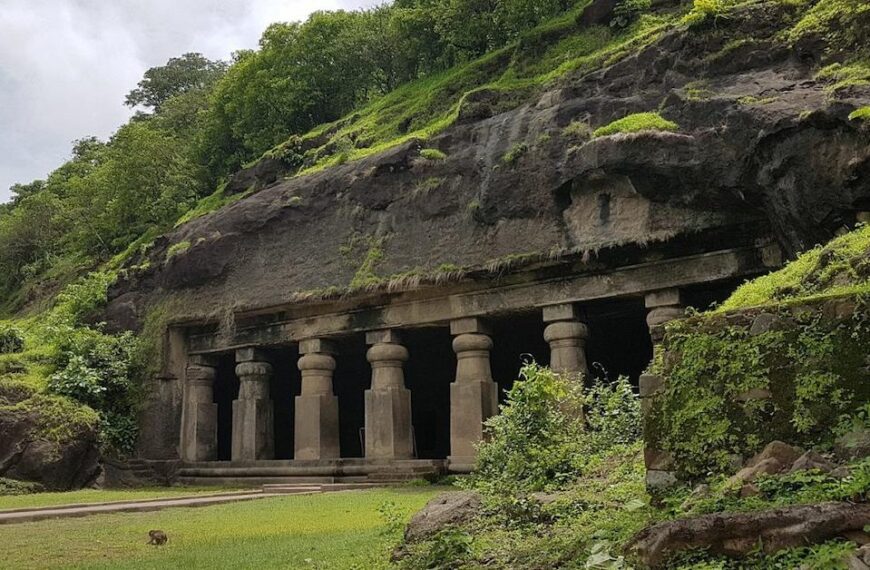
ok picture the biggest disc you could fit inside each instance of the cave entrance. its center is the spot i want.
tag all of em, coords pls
(429, 371)
(226, 389)
(285, 385)
(516, 339)
(619, 343)
(351, 379)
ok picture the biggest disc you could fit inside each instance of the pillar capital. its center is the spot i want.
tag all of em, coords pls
(251, 354)
(384, 336)
(387, 353)
(198, 375)
(469, 325)
(662, 298)
(561, 312)
(316, 346)
(469, 342)
(566, 330)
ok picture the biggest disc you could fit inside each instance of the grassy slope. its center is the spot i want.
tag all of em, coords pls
(338, 530)
(50, 499)
(842, 267)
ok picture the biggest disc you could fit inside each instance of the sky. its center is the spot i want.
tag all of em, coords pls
(66, 65)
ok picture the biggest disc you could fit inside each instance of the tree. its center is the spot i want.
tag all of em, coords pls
(190, 72)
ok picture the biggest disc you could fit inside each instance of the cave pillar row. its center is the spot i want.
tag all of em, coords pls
(567, 336)
(199, 412)
(663, 307)
(388, 431)
(253, 413)
(474, 394)
(316, 424)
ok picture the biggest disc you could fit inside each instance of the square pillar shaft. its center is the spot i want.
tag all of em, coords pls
(253, 414)
(388, 432)
(199, 424)
(474, 395)
(316, 424)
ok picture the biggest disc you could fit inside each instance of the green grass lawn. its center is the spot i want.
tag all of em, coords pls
(333, 530)
(102, 496)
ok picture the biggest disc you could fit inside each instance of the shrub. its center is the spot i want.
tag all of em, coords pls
(636, 123)
(11, 339)
(540, 439)
(16, 487)
(627, 11)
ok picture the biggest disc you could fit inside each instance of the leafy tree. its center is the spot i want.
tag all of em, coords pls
(190, 72)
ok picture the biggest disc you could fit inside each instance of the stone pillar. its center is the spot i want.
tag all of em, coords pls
(663, 306)
(253, 414)
(199, 424)
(567, 338)
(474, 395)
(316, 426)
(388, 403)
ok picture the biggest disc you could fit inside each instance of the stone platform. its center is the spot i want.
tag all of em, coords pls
(332, 471)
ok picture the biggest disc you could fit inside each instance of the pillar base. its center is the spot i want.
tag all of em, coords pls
(200, 441)
(471, 404)
(253, 430)
(388, 424)
(316, 427)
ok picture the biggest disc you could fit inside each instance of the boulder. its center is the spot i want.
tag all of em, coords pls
(449, 509)
(810, 461)
(45, 441)
(737, 534)
(860, 559)
(784, 453)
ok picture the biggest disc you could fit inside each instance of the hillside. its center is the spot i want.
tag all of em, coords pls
(710, 123)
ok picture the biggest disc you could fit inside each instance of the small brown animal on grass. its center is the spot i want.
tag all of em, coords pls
(158, 537)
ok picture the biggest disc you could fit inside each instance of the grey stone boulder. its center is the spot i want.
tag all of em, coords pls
(449, 509)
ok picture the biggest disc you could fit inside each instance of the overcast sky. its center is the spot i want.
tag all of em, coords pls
(65, 65)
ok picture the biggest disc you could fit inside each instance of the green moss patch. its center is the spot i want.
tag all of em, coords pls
(636, 123)
(842, 267)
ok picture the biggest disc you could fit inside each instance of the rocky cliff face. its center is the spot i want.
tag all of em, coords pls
(762, 149)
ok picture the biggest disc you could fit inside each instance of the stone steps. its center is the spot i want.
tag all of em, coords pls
(295, 488)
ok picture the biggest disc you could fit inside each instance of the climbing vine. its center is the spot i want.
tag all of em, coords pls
(731, 388)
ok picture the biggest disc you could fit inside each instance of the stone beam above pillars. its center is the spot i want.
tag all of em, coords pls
(567, 336)
(253, 414)
(388, 433)
(316, 423)
(474, 394)
(199, 412)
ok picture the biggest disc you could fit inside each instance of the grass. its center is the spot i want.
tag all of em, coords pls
(50, 499)
(337, 530)
(636, 123)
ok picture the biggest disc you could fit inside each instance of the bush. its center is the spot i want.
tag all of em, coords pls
(11, 339)
(540, 439)
(97, 370)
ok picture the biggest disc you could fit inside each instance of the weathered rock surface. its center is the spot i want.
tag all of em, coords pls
(736, 534)
(737, 170)
(449, 509)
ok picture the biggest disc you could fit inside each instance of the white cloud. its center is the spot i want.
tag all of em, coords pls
(65, 65)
